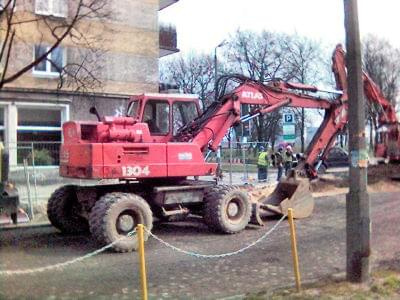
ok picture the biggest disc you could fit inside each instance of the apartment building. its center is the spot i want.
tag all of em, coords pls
(127, 43)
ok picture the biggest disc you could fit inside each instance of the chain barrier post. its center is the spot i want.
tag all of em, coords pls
(294, 250)
(142, 261)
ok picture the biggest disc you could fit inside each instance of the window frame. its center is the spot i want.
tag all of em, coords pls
(173, 115)
(51, 11)
(3, 2)
(169, 115)
(48, 73)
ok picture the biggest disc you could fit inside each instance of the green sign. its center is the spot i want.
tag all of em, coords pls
(289, 137)
(289, 132)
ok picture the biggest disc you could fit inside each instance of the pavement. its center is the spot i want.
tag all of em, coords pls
(172, 275)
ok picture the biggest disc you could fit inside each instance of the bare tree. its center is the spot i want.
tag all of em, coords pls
(66, 22)
(192, 74)
(382, 63)
(268, 55)
(304, 61)
(258, 56)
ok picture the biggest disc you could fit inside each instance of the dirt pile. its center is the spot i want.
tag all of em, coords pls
(384, 172)
(381, 178)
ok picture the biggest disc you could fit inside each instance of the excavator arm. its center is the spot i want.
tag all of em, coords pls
(388, 147)
(209, 129)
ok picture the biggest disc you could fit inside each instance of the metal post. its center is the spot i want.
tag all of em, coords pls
(28, 188)
(357, 204)
(142, 261)
(34, 173)
(216, 67)
(230, 156)
(1, 162)
(215, 73)
(294, 250)
(219, 167)
(246, 174)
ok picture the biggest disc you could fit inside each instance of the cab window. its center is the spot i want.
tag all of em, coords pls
(156, 115)
(183, 113)
(133, 108)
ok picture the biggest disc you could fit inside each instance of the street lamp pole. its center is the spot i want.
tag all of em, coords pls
(216, 67)
(215, 94)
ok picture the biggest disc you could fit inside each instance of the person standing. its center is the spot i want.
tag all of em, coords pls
(262, 165)
(278, 159)
(288, 159)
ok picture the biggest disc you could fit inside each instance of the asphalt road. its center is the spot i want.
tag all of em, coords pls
(171, 275)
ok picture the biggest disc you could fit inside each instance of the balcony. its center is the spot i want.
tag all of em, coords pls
(167, 40)
(165, 3)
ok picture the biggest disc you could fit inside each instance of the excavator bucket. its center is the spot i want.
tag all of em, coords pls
(289, 193)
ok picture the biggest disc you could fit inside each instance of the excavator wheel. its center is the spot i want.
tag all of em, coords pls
(63, 211)
(226, 209)
(115, 215)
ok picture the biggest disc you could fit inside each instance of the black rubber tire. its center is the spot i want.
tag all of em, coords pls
(106, 212)
(216, 209)
(62, 208)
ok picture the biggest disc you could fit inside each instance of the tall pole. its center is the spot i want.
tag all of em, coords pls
(216, 67)
(215, 94)
(357, 200)
(215, 72)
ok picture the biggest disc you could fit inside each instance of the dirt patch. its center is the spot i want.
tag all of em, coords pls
(381, 178)
(383, 284)
(380, 172)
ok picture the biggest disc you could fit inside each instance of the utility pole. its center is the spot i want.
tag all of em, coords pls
(358, 224)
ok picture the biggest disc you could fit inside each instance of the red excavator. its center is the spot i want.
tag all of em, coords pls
(388, 144)
(155, 150)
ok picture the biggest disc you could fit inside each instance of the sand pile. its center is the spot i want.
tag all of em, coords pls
(381, 178)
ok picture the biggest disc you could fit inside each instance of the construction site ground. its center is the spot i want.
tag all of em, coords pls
(381, 178)
(172, 275)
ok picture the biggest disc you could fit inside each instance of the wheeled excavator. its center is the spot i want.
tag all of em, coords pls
(153, 151)
(157, 148)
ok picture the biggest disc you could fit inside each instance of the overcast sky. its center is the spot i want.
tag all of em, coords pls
(203, 24)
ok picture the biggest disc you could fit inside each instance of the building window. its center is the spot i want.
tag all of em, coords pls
(50, 66)
(57, 8)
(6, 4)
(39, 130)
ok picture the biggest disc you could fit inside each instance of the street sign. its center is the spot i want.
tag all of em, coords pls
(288, 118)
(289, 128)
(289, 133)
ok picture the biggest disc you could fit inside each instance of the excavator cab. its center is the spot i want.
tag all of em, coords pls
(164, 114)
